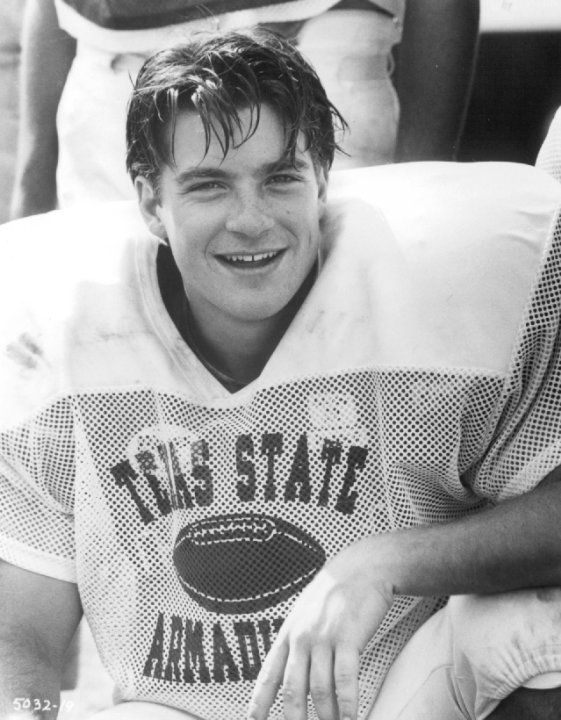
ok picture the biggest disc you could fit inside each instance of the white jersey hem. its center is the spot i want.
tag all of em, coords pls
(27, 558)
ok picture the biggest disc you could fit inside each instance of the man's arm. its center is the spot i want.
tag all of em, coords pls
(47, 54)
(514, 545)
(39, 616)
(435, 72)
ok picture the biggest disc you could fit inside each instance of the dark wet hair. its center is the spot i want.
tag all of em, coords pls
(217, 75)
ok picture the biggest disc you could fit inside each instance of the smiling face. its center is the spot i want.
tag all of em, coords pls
(244, 228)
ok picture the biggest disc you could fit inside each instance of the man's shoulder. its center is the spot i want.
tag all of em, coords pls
(406, 190)
(428, 176)
(67, 279)
(447, 209)
(71, 230)
(41, 254)
(447, 253)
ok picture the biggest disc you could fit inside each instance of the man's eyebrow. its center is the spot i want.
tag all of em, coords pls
(285, 163)
(197, 173)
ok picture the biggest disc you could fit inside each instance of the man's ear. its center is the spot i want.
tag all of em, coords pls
(150, 206)
(322, 179)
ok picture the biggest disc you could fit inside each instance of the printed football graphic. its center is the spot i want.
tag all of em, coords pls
(244, 562)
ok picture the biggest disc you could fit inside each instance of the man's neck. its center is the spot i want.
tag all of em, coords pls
(240, 350)
(234, 351)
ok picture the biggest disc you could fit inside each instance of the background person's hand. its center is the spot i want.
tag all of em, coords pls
(318, 647)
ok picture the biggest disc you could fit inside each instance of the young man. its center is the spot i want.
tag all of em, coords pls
(273, 396)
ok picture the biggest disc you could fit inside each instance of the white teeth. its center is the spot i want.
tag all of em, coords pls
(251, 258)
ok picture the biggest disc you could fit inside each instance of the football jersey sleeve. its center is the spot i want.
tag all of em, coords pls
(36, 426)
(525, 434)
(36, 527)
(483, 243)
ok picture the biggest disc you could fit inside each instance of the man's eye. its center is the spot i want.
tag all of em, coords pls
(283, 179)
(204, 187)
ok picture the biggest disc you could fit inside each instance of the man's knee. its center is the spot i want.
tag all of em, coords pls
(507, 639)
(142, 711)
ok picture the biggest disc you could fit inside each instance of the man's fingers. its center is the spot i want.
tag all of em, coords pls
(330, 677)
(268, 683)
(295, 681)
(322, 685)
(345, 672)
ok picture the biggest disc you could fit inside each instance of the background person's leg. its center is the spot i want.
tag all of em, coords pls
(11, 13)
(350, 50)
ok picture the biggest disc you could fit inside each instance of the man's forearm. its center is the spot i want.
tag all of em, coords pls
(29, 682)
(39, 616)
(514, 545)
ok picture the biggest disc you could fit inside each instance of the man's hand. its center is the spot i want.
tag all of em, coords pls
(318, 647)
(514, 545)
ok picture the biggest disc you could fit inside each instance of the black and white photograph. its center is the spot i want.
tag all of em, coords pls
(280, 359)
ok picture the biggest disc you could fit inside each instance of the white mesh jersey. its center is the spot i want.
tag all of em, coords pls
(419, 380)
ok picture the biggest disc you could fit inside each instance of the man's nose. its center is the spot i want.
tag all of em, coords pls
(249, 216)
